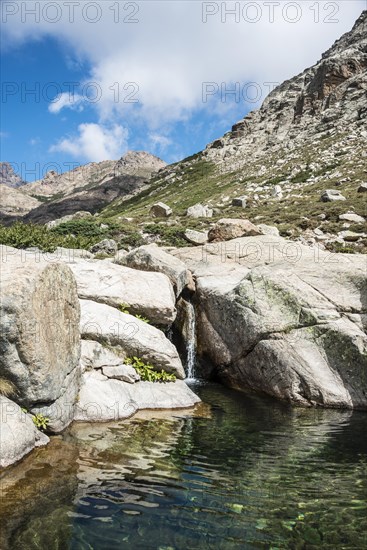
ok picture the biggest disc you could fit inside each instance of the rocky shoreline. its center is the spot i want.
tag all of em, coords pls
(272, 316)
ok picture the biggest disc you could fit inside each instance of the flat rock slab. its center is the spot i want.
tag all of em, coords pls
(104, 399)
(145, 293)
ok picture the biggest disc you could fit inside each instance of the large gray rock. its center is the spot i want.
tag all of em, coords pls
(152, 258)
(102, 399)
(362, 188)
(227, 228)
(109, 326)
(18, 434)
(284, 319)
(39, 336)
(143, 293)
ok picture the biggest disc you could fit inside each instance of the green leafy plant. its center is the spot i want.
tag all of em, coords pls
(147, 372)
(124, 308)
(41, 422)
(142, 318)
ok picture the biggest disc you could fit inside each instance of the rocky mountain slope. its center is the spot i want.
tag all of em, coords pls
(15, 204)
(9, 177)
(310, 135)
(88, 187)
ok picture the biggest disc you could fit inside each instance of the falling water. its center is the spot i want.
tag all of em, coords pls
(191, 341)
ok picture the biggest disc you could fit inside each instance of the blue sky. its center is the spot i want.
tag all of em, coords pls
(150, 76)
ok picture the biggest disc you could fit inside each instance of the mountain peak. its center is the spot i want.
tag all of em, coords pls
(8, 176)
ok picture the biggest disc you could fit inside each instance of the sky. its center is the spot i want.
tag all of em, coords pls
(86, 81)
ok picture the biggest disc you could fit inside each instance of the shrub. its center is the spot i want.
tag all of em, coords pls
(41, 422)
(147, 372)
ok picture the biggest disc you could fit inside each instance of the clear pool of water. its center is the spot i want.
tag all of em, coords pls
(238, 472)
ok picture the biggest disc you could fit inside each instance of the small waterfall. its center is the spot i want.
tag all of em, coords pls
(190, 341)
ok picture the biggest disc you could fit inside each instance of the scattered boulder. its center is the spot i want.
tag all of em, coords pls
(196, 237)
(362, 188)
(18, 434)
(160, 210)
(152, 258)
(351, 217)
(226, 229)
(240, 202)
(107, 325)
(351, 236)
(199, 211)
(331, 195)
(106, 246)
(144, 293)
(39, 332)
(277, 192)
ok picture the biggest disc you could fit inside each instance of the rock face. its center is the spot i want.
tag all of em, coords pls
(152, 258)
(91, 187)
(226, 229)
(40, 333)
(327, 96)
(15, 204)
(107, 325)
(9, 177)
(143, 293)
(284, 319)
(18, 434)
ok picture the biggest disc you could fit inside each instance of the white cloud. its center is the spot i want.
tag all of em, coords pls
(170, 52)
(159, 143)
(66, 100)
(94, 142)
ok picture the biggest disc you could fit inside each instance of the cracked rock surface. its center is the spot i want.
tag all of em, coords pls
(283, 319)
